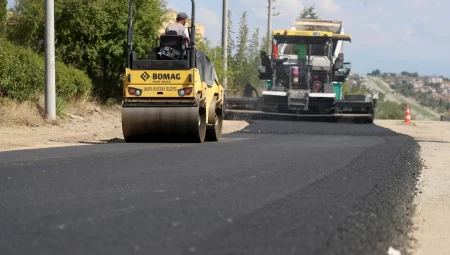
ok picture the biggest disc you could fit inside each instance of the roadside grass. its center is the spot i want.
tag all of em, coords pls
(32, 112)
(390, 110)
(382, 86)
(20, 113)
(418, 108)
(61, 107)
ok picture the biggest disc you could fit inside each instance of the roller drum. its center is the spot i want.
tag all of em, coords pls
(156, 123)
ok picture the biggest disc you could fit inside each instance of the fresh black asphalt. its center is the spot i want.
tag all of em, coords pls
(274, 188)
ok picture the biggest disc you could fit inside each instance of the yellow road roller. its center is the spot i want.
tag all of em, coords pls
(174, 94)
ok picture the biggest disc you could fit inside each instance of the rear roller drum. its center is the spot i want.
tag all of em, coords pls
(142, 124)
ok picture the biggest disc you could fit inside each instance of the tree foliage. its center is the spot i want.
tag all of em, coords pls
(29, 31)
(376, 72)
(3, 15)
(265, 43)
(231, 46)
(214, 53)
(243, 56)
(309, 12)
(91, 34)
(414, 74)
(22, 76)
(390, 110)
(245, 61)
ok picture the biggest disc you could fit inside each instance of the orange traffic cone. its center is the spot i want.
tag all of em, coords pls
(407, 115)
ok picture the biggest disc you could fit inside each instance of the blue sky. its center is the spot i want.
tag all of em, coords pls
(398, 35)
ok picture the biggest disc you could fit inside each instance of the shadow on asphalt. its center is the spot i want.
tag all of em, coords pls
(108, 141)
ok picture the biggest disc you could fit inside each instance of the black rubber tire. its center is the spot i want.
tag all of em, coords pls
(202, 126)
(214, 131)
(214, 134)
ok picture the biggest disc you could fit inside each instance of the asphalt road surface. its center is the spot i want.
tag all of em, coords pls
(274, 188)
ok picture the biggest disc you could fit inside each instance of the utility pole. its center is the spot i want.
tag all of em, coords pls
(225, 43)
(50, 77)
(269, 27)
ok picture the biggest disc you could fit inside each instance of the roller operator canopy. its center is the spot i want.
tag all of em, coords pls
(307, 37)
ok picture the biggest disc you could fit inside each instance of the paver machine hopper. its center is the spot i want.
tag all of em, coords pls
(304, 75)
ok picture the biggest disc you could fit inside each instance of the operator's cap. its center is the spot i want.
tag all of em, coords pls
(182, 15)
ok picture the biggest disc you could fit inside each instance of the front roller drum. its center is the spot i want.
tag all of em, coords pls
(164, 124)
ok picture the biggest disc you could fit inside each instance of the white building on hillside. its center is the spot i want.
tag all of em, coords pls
(435, 79)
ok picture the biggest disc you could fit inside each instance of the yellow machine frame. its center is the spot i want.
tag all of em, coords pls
(305, 33)
(165, 97)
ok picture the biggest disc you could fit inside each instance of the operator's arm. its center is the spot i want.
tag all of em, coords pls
(186, 34)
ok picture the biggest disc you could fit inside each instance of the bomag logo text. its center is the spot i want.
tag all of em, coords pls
(166, 76)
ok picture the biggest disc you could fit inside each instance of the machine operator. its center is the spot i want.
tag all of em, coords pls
(180, 26)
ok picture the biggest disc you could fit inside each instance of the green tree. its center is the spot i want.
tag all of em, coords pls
(29, 31)
(345, 88)
(265, 44)
(230, 42)
(214, 54)
(309, 13)
(253, 47)
(3, 15)
(390, 110)
(242, 38)
(241, 58)
(414, 75)
(376, 72)
(254, 60)
(231, 46)
(91, 34)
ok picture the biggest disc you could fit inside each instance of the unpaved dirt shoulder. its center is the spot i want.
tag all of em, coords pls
(432, 216)
(98, 127)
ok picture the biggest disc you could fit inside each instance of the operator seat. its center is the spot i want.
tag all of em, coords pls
(172, 46)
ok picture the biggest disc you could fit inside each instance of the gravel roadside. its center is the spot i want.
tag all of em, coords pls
(432, 216)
